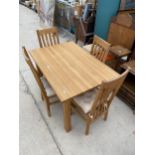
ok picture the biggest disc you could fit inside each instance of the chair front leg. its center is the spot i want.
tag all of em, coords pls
(87, 127)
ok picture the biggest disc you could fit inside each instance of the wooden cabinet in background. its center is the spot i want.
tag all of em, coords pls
(127, 90)
(84, 30)
(121, 31)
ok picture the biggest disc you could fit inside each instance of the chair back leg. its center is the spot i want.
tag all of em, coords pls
(42, 96)
(105, 115)
(48, 110)
(48, 106)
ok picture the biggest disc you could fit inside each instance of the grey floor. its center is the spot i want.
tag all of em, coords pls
(41, 135)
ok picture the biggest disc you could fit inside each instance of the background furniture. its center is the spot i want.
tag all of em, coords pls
(48, 37)
(120, 51)
(96, 103)
(121, 36)
(84, 26)
(127, 4)
(47, 93)
(63, 14)
(127, 91)
(121, 31)
(31, 4)
(84, 30)
(70, 71)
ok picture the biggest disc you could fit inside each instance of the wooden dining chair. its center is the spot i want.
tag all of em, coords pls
(47, 92)
(99, 49)
(95, 103)
(48, 37)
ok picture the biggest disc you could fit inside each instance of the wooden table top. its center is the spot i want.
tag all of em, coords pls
(70, 70)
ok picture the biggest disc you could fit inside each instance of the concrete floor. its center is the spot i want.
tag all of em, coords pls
(41, 135)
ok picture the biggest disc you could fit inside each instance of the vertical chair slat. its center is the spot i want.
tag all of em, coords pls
(48, 37)
(100, 48)
(47, 42)
(43, 41)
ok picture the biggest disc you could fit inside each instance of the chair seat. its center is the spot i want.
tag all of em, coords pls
(87, 47)
(86, 100)
(47, 87)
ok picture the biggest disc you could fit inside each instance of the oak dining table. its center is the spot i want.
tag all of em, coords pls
(70, 71)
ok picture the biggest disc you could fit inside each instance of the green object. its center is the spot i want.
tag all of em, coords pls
(105, 10)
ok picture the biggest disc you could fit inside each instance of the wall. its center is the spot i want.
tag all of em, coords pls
(105, 10)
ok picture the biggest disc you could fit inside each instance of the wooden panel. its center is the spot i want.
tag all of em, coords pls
(124, 19)
(127, 91)
(70, 70)
(120, 35)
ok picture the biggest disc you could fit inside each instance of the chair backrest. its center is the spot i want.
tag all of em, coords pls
(100, 48)
(34, 71)
(48, 37)
(105, 95)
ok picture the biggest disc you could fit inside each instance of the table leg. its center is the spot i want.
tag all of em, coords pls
(67, 115)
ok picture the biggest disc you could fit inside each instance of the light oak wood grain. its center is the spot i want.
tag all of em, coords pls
(70, 70)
